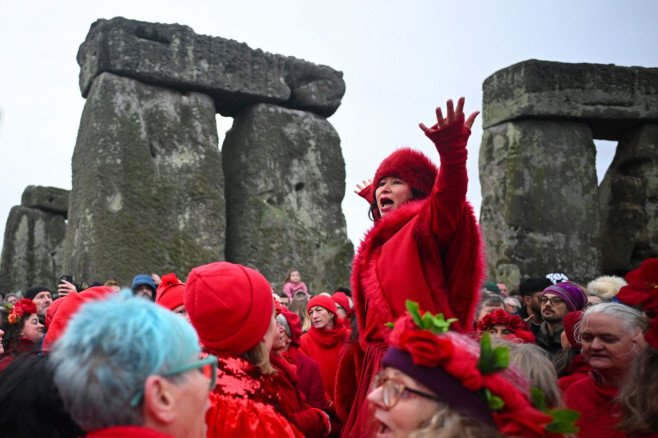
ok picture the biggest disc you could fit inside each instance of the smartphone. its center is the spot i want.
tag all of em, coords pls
(68, 278)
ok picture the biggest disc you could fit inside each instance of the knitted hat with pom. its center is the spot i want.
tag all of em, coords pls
(229, 305)
(170, 292)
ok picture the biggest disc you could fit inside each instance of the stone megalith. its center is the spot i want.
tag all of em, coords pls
(173, 56)
(285, 181)
(33, 249)
(541, 208)
(629, 201)
(147, 193)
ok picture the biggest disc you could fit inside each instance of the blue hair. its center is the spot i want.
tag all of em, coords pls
(109, 349)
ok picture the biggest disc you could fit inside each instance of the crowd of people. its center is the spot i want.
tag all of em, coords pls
(419, 345)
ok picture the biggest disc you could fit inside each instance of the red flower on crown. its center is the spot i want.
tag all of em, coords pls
(642, 290)
(23, 307)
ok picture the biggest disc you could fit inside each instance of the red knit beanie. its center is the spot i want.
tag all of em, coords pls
(229, 305)
(322, 301)
(410, 165)
(341, 299)
(170, 292)
(569, 322)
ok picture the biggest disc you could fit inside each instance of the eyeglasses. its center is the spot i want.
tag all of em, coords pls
(393, 391)
(207, 366)
(554, 300)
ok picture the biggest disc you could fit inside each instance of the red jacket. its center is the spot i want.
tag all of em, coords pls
(596, 403)
(310, 421)
(577, 370)
(245, 403)
(310, 377)
(324, 346)
(428, 251)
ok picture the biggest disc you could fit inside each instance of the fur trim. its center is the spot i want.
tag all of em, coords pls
(606, 287)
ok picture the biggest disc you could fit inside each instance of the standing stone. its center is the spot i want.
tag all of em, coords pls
(147, 193)
(33, 249)
(49, 199)
(629, 201)
(285, 181)
(540, 199)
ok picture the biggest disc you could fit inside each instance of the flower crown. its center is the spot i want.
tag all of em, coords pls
(514, 323)
(485, 372)
(23, 307)
(642, 290)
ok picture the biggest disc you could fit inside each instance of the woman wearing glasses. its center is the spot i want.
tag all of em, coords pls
(126, 367)
(442, 384)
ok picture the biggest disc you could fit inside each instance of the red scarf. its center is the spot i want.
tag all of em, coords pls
(329, 338)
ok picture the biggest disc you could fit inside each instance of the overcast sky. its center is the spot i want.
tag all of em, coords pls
(399, 59)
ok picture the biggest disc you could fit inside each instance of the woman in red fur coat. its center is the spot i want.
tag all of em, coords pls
(424, 246)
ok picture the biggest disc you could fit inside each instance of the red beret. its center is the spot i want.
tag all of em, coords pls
(295, 325)
(322, 301)
(170, 292)
(229, 305)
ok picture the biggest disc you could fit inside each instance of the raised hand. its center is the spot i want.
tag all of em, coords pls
(453, 114)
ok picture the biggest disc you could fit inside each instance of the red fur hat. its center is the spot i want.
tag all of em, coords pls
(414, 167)
(322, 301)
(229, 305)
(170, 292)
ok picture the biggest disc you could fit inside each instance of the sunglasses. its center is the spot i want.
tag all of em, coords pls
(393, 391)
(207, 366)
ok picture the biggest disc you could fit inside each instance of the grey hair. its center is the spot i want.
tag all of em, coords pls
(631, 318)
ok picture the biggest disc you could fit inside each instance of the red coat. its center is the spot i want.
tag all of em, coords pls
(428, 251)
(245, 403)
(596, 403)
(310, 421)
(127, 432)
(578, 369)
(324, 346)
(310, 377)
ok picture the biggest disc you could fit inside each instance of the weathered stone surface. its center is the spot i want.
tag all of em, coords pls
(147, 193)
(33, 249)
(539, 198)
(609, 98)
(235, 75)
(49, 199)
(629, 202)
(285, 181)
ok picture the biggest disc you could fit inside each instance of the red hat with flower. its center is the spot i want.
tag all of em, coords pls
(642, 290)
(475, 380)
(24, 307)
(514, 324)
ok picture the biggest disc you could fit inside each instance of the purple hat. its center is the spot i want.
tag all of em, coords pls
(570, 292)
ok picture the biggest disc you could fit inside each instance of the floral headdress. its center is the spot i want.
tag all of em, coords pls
(477, 381)
(23, 307)
(514, 323)
(642, 290)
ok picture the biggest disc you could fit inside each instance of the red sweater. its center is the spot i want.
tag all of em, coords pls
(245, 403)
(428, 251)
(596, 403)
(324, 346)
(310, 377)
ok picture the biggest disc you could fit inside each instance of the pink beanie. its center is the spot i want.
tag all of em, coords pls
(229, 305)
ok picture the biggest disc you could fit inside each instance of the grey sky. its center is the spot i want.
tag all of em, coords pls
(400, 60)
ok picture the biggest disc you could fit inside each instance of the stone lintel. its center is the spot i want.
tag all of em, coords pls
(50, 199)
(609, 98)
(235, 75)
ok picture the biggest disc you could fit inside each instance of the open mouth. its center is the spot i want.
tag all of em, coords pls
(383, 430)
(385, 202)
